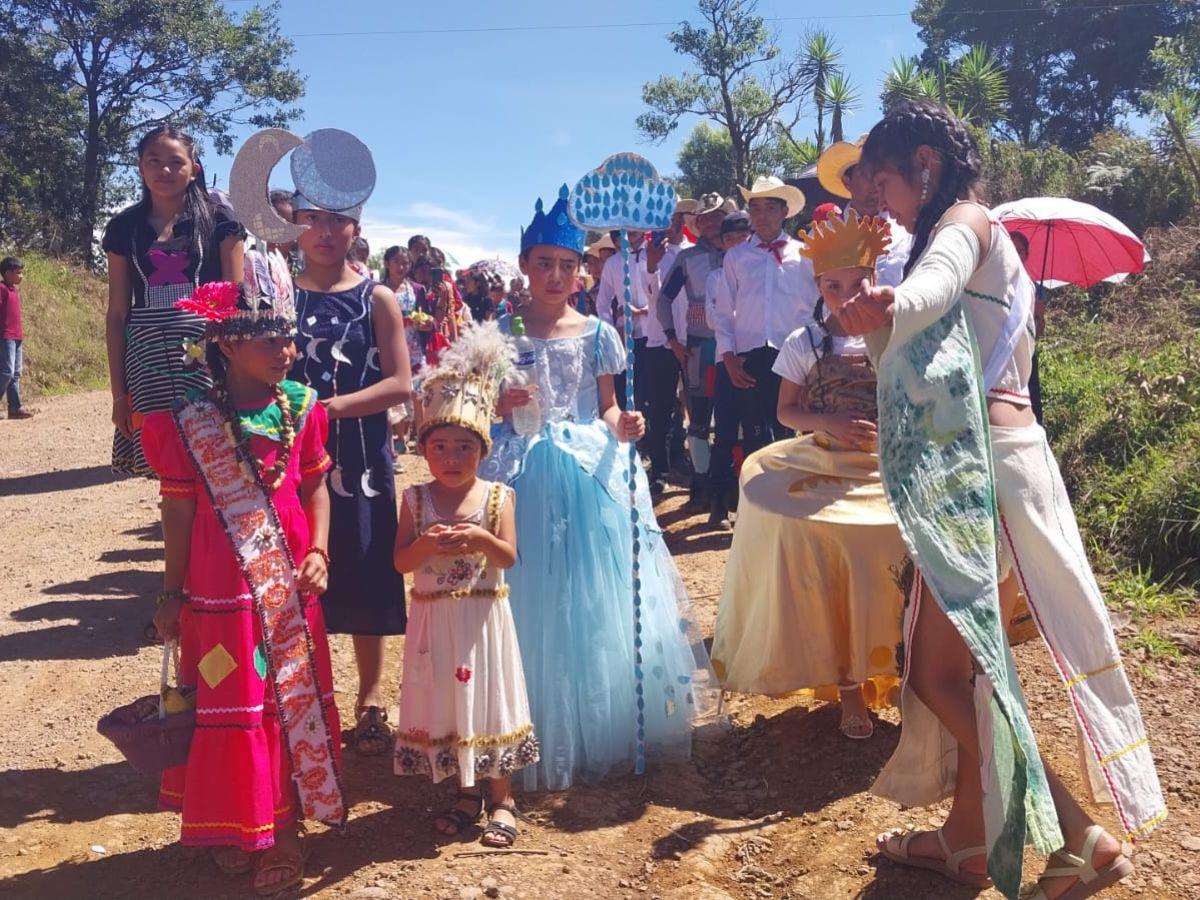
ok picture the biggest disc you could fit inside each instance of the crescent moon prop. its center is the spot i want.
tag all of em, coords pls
(366, 485)
(335, 483)
(248, 185)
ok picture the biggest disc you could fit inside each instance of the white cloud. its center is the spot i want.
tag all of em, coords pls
(461, 234)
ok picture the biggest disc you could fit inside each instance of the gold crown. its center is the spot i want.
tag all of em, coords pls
(465, 400)
(462, 389)
(846, 244)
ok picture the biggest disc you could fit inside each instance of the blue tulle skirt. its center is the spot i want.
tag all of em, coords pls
(573, 604)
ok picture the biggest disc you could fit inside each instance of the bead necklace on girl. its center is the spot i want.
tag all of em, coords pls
(812, 598)
(463, 706)
(573, 578)
(353, 354)
(245, 523)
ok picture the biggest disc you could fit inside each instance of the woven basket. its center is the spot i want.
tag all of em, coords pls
(150, 738)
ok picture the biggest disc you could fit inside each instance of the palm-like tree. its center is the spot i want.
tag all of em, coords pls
(821, 61)
(977, 82)
(841, 97)
(906, 81)
(973, 87)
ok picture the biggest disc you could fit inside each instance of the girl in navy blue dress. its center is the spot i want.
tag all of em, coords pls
(352, 351)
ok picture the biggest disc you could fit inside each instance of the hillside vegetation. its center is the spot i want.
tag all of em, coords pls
(1122, 396)
(63, 308)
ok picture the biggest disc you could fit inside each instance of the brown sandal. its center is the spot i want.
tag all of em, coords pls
(232, 861)
(372, 736)
(290, 861)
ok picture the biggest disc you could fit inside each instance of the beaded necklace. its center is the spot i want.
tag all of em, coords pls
(274, 475)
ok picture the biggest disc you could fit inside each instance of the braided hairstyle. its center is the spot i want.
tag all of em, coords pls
(893, 142)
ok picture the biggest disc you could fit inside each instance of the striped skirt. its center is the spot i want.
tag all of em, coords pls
(158, 371)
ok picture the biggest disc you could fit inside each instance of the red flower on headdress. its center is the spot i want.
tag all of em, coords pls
(215, 301)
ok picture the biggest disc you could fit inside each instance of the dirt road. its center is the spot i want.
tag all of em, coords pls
(774, 806)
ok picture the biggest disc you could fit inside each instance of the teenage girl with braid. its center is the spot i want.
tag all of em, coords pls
(811, 598)
(926, 166)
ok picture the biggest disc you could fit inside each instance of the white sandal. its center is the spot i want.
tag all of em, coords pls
(1090, 881)
(894, 845)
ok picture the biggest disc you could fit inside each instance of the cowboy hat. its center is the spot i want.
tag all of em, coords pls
(603, 243)
(770, 186)
(714, 202)
(834, 163)
(685, 207)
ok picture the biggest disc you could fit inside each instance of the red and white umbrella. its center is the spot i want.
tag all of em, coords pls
(1072, 242)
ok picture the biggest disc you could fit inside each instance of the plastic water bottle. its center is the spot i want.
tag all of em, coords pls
(526, 419)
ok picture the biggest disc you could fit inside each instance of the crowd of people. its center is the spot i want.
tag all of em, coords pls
(857, 395)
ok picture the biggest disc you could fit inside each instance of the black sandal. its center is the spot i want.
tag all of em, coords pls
(372, 728)
(459, 819)
(503, 836)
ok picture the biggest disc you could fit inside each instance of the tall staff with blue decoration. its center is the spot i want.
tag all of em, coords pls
(616, 674)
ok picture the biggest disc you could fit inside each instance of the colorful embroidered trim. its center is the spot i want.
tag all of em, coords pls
(499, 592)
(252, 525)
(420, 739)
(317, 466)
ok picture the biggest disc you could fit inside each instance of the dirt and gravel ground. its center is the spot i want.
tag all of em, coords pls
(774, 806)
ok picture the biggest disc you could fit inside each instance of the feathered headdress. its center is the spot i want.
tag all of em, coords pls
(838, 243)
(462, 388)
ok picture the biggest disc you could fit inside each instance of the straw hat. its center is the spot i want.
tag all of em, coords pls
(770, 186)
(685, 207)
(604, 243)
(835, 161)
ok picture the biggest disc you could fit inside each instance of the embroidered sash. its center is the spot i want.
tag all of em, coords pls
(252, 524)
(936, 466)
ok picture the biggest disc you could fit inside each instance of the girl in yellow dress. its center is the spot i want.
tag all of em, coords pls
(813, 597)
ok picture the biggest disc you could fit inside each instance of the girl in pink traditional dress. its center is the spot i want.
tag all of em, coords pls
(236, 791)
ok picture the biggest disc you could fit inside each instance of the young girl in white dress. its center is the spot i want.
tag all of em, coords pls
(463, 706)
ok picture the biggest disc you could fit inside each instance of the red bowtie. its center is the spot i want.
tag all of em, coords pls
(775, 247)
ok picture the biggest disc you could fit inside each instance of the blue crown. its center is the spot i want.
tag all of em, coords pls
(554, 228)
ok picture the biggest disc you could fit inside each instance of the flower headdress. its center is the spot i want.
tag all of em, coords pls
(254, 309)
(462, 388)
(838, 243)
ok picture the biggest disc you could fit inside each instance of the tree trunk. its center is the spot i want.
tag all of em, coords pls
(89, 202)
(1181, 140)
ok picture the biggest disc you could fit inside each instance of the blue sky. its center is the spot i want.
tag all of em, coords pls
(467, 129)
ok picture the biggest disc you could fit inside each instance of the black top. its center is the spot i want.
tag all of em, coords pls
(159, 263)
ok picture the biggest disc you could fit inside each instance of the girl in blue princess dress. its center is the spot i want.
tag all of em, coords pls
(574, 615)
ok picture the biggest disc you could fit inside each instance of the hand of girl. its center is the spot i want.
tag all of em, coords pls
(868, 310)
(333, 407)
(464, 538)
(312, 578)
(122, 416)
(852, 430)
(513, 397)
(631, 426)
(166, 619)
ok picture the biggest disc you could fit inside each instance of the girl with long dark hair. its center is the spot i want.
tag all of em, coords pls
(977, 492)
(160, 250)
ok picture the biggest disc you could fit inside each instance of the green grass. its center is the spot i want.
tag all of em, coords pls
(1154, 645)
(62, 305)
(1123, 414)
